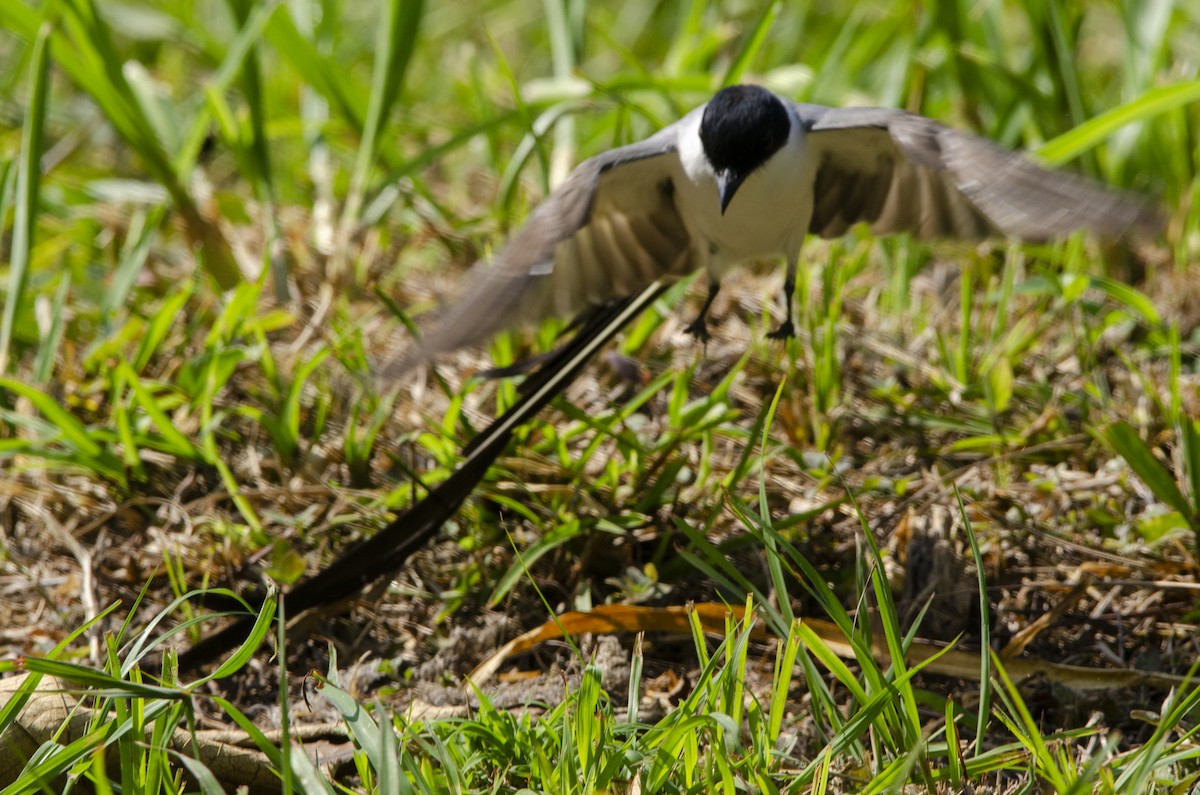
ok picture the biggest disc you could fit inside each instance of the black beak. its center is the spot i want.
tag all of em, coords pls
(728, 182)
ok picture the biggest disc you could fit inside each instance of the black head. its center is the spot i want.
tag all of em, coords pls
(742, 127)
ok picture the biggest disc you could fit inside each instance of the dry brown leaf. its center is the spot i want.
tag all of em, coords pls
(1021, 640)
(609, 619)
(712, 617)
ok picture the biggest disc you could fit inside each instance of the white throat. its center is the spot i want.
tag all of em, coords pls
(768, 215)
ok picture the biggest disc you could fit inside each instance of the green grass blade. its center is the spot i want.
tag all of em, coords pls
(142, 228)
(99, 71)
(985, 627)
(160, 325)
(754, 44)
(1026, 729)
(29, 180)
(1124, 439)
(100, 683)
(1091, 133)
(322, 74)
(52, 337)
(73, 432)
(636, 661)
(832, 662)
(173, 440)
(239, 59)
(1128, 296)
(1189, 440)
(362, 727)
(565, 44)
(394, 47)
(258, 633)
(209, 784)
(252, 87)
(269, 749)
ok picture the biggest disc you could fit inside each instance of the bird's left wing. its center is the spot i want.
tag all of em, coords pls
(900, 172)
(610, 229)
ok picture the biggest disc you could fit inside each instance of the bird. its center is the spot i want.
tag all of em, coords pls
(750, 175)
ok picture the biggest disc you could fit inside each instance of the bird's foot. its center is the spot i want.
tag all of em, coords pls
(785, 331)
(698, 328)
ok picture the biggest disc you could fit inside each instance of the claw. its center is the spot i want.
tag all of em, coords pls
(698, 328)
(785, 331)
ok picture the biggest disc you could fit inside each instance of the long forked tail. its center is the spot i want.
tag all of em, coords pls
(385, 553)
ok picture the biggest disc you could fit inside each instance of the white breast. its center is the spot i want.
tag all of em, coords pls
(768, 215)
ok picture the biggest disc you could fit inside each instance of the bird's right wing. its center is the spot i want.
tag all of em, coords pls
(608, 231)
(900, 172)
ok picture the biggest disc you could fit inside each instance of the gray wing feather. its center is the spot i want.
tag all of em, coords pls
(611, 228)
(900, 172)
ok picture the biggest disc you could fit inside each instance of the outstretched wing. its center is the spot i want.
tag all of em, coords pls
(608, 231)
(900, 172)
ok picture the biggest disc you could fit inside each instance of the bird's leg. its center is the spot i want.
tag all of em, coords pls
(786, 330)
(698, 328)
